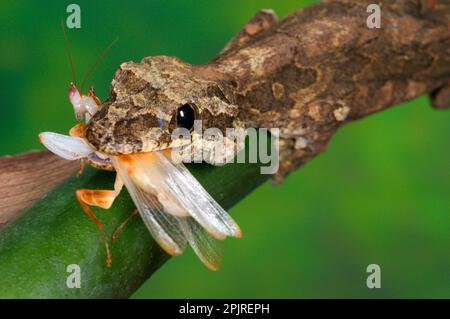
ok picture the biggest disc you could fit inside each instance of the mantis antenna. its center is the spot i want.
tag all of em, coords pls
(74, 78)
(100, 57)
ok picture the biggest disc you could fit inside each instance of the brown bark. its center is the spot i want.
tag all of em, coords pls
(27, 177)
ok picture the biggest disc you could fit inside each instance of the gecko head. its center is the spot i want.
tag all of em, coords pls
(149, 100)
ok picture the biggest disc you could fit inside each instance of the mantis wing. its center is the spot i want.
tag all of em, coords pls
(164, 228)
(208, 249)
(197, 201)
(164, 196)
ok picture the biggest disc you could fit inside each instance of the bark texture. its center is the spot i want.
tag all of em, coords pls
(27, 177)
(320, 67)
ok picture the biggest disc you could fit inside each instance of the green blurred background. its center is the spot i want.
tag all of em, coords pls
(380, 194)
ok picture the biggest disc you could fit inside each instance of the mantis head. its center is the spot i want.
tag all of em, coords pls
(83, 104)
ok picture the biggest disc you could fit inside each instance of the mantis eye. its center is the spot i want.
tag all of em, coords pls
(185, 116)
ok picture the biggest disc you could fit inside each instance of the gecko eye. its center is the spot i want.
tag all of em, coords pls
(185, 116)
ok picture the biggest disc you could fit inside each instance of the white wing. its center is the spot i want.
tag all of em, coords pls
(197, 201)
(208, 249)
(164, 228)
(175, 207)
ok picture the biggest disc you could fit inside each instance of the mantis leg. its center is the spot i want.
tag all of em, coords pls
(79, 131)
(103, 199)
(81, 170)
(122, 225)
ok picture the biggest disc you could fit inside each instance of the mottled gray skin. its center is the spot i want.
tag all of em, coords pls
(139, 115)
(307, 74)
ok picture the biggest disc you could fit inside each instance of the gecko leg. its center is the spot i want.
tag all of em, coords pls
(103, 199)
(122, 225)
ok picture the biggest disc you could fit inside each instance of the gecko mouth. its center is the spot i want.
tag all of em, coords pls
(96, 160)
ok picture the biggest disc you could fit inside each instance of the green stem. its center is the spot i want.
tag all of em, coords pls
(37, 247)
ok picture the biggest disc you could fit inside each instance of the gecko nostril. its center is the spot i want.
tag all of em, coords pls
(160, 122)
